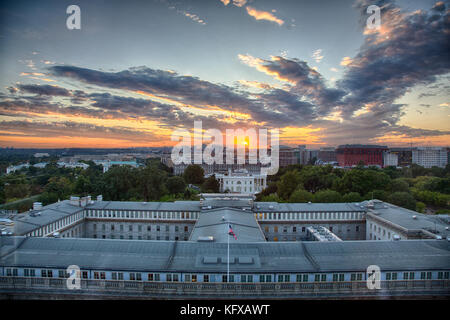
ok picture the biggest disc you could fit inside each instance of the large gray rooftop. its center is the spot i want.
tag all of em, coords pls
(214, 223)
(189, 256)
(412, 220)
(26, 222)
(146, 206)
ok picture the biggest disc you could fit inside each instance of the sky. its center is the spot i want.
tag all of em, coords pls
(137, 71)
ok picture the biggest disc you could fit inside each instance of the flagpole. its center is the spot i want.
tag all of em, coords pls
(228, 258)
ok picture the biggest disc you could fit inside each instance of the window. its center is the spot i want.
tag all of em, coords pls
(149, 228)
(29, 272)
(206, 278)
(302, 278)
(283, 278)
(62, 274)
(46, 273)
(391, 276)
(294, 229)
(158, 228)
(130, 228)
(112, 227)
(224, 278)
(84, 274)
(356, 277)
(11, 272)
(153, 277)
(337, 277)
(246, 278)
(186, 228)
(135, 276)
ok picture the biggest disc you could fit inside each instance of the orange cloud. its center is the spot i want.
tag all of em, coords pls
(346, 61)
(263, 15)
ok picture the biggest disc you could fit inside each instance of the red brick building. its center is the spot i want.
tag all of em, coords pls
(351, 154)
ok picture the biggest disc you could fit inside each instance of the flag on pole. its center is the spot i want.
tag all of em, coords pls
(231, 232)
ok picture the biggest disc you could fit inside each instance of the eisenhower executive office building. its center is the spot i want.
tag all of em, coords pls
(184, 249)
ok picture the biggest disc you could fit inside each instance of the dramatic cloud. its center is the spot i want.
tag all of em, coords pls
(317, 55)
(263, 15)
(409, 49)
(46, 90)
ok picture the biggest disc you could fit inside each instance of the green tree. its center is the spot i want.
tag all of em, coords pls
(420, 207)
(301, 195)
(152, 183)
(352, 197)
(194, 174)
(287, 184)
(399, 184)
(327, 196)
(175, 185)
(211, 185)
(403, 199)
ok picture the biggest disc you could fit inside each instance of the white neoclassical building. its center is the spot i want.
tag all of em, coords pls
(240, 181)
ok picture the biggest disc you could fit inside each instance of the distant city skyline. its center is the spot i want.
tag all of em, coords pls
(138, 70)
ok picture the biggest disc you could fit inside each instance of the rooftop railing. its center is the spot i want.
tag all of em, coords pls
(56, 286)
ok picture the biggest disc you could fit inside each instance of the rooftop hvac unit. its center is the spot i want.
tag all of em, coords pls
(37, 205)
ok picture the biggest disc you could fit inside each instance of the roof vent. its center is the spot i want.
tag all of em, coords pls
(414, 217)
(37, 205)
(205, 239)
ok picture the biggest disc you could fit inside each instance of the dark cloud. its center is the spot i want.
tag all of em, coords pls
(46, 90)
(410, 49)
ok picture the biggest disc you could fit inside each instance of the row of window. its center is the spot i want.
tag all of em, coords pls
(245, 278)
(163, 215)
(310, 215)
(57, 225)
(294, 229)
(140, 237)
(139, 228)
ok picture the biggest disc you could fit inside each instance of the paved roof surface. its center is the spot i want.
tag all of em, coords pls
(215, 223)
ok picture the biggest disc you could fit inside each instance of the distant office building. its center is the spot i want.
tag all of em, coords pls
(352, 154)
(428, 157)
(11, 169)
(41, 155)
(241, 181)
(404, 156)
(390, 159)
(327, 155)
(287, 156)
(303, 154)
